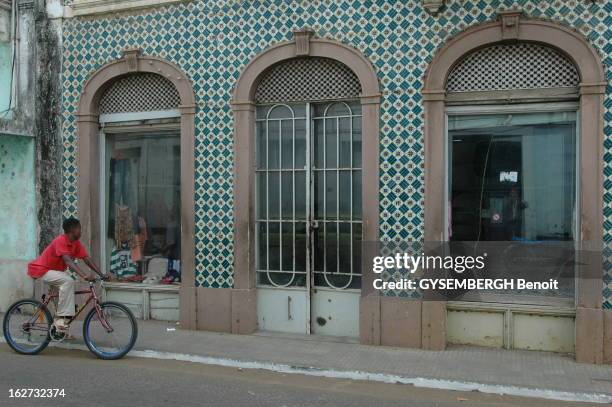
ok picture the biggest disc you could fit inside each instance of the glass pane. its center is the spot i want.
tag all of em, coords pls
(501, 187)
(331, 192)
(287, 195)
(345, 195)
(331, 245)
(287, 143)
(300, 144)
(319, 251)
(357, 142)
(273, 195)
(273, 144)
(331, 143)
(287, 229)
(345, 142)
(262, 246)
(299, 110)
(345, 247)
(274, 245)
(357, 240)
(357, 196)
(262, 111)
(355, 106)
(280, 112)
(338, 109)
(319, 194)
(261, 145)
(143, 205)
(300, 194)
(261, 195)
(318, 143)
(300, 246)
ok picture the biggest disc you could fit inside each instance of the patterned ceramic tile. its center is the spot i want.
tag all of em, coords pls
(213, 41)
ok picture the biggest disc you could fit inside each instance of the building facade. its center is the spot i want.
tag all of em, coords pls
(252, 147)
(29, 141)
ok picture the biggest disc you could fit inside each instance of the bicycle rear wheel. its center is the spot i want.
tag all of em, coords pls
(111, 333)
(26, 327)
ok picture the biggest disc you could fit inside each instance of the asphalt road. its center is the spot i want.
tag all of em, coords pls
(147, 382)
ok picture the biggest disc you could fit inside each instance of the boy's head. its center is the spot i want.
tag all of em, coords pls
(72, 227)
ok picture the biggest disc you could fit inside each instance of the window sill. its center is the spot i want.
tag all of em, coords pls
(141, 286)
(91, 7)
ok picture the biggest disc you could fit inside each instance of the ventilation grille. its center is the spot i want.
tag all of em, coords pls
(306, 79)
(514, 66)
(140, 93)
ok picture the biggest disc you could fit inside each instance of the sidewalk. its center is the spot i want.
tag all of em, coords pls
(466, 368)
(462, 366)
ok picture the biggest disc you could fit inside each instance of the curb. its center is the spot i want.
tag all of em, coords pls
(423, 382)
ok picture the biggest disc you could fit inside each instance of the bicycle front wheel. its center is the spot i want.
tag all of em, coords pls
(26, 327)
(111, 331)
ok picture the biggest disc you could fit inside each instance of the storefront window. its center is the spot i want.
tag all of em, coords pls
(512, 177)
(142, 207)
(512, 195)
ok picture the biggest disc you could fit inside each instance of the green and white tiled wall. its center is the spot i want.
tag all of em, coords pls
(212, 41)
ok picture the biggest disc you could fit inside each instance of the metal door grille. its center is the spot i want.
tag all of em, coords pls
(513, 66)
(140, 93)
(308, 79)
(308, 195)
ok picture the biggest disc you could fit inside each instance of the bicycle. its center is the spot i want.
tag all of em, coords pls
(109, 329)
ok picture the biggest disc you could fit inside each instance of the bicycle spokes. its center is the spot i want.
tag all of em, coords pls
(110, 330)
(27, 327)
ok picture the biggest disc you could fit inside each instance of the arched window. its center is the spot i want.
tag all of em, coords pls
(136, 174)
(140, 168)
(511, 108)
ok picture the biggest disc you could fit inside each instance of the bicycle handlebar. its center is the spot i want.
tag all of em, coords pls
(97, 279)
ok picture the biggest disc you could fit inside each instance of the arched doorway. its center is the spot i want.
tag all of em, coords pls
(333, 201)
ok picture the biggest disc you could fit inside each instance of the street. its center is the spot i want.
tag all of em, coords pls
(149, 382)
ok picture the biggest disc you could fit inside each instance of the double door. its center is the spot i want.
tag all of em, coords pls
(309, 217)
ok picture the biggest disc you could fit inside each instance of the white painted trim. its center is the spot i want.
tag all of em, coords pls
(136, 116)
(85, 7)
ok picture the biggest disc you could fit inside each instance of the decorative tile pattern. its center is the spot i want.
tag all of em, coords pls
(212, 41)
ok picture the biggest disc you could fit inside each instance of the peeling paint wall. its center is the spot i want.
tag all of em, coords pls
(18, 204)
(5, 74)
(49, 146)
(30, 144)
(17, 217)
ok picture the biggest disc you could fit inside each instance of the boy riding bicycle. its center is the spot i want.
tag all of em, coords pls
(51, 266)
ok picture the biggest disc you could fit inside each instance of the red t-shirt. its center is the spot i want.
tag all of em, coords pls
(51, 257)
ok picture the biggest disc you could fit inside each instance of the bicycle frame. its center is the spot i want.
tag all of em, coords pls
(53, 294)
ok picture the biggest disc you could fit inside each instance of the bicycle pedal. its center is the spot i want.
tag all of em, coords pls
(56, 336)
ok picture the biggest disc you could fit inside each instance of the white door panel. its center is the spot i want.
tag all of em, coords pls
(282, 310)
(335, 312)
(308, 217)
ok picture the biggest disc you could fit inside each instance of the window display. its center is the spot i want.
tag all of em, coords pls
(512, 177)
(142, 207)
